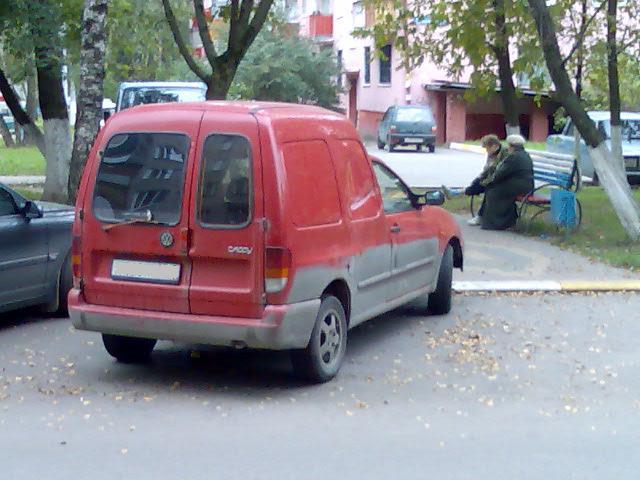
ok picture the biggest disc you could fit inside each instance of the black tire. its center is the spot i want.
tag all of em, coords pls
(318, 363)
(389, 146)
(380, 144)
(440, 299)
(432, 148)
(128, 349)
(65, 282)
(595, 180)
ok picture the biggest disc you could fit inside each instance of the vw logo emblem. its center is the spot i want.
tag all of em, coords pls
(166, 239)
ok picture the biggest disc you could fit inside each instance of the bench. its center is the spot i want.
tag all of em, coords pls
(550, 170)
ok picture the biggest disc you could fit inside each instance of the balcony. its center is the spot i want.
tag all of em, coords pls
(319, 27)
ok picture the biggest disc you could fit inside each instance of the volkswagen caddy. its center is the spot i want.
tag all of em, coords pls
(258, 225)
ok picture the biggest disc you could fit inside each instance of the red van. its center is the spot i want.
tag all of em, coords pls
(259, 225)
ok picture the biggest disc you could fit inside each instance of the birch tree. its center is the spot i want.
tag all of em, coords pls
(611, 176)
(90, 94)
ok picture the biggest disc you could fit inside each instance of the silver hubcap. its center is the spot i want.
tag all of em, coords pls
(330, 339)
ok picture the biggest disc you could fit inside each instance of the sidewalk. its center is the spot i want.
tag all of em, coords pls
(502, 256)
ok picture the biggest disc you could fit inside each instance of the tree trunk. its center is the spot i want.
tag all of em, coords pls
(90, 94)
(7, 138)
(19, 114)
(505, 72)
(613, 181)
(579, 68)
(32, 105)
(220, 82)
(57, 134)
(614, 83)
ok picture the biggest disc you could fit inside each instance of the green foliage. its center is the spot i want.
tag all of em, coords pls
(458, 36)
(140, 45)
(290, 69)
(596, 88)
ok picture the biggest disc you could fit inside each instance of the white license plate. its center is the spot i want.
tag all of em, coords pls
(138, 271)
(413, 140)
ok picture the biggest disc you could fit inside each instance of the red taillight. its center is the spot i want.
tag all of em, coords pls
(76, 261)
(434, 129)
(276, 268)
(393, 128)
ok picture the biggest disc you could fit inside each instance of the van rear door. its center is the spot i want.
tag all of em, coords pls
(135, 223)
(227, 236)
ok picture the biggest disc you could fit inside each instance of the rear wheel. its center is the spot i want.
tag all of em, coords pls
(389, 146)
(65, 283)
(323, 357)
(128, 349)
(440, 299)
(432, 148)
(380, 144)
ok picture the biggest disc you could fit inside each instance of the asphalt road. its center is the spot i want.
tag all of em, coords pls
(504, 387)
(443, 167)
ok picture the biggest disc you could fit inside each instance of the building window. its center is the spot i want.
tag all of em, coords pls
(340, 68)
(367, 65)
(358, 14)
(385, 64)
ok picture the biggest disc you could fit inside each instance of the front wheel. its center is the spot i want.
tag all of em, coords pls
(323, 357)
(440, 299)
(128, 349)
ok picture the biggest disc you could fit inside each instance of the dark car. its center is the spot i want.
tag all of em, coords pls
(35, 257)
(407, 125)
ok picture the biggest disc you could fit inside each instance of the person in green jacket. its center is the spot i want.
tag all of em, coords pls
(496, 152)
(513, 177)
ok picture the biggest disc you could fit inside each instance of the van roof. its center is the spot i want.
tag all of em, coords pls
(232, 107)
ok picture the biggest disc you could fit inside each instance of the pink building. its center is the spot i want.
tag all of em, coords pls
(373, 83)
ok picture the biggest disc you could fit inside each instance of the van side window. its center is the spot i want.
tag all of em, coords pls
(362, 199)
(395, 197)
(311, 182)
(225, 189)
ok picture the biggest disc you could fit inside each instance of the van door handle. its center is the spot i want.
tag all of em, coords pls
(396, 228)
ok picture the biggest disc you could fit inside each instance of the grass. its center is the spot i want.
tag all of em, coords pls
(21, 161)
(528, 145)
(600, 237)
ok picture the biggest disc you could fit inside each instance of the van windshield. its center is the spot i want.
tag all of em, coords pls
(414, 115)
(141, 175)
(143, 95)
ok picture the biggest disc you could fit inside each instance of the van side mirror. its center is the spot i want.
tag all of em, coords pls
(430, 198)
(31, 210)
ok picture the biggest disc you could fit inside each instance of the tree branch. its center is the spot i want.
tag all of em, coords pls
(203, 30)
(23, 119)
(259, 17)
(234, 28)
(579, 41)
(182, 46)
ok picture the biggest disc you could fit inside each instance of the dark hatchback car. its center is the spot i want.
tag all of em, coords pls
(407, 125)
(35, 253)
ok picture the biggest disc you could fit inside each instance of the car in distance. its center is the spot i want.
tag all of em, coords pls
(407, 125)
(35, 261)
(565, 141)
(131, 94)
(243, 224)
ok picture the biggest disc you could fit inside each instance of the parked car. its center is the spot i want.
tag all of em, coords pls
(564, 143)
(131, 94)
(407, 125)
(258, 225)
(35, 244)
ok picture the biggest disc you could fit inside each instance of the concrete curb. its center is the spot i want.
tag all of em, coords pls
(22, 179)
(547, 286)
(467, 148)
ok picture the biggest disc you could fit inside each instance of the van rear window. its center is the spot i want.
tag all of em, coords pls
(414, 115)
(225, 189)
(141, 176)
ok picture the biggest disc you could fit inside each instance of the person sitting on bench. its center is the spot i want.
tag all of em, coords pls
(495, 154)
(513, 177)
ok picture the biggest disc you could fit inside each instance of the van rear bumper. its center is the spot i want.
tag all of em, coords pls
(281, 327)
